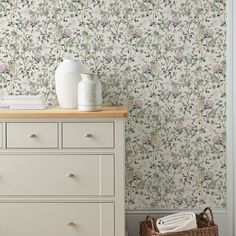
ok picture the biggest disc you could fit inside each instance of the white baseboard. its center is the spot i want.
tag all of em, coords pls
(133, 217)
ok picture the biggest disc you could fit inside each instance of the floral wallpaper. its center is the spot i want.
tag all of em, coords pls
(164, 59)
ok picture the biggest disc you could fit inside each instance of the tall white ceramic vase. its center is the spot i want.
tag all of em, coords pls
(89, 93)
(67, 77)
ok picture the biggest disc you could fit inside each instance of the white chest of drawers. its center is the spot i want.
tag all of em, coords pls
(62, 173)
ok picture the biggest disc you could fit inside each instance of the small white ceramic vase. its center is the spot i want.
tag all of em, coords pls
(89, 93)
(67, 77)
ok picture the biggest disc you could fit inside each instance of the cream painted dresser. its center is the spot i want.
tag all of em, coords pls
(62, 172)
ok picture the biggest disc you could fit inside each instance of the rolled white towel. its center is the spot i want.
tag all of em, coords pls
(177, 222)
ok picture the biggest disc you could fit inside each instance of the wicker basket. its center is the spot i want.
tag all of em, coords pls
(206, 226)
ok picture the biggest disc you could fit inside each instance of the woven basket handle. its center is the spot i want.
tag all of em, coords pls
(204, 213)
(210, 211)
(150, 221)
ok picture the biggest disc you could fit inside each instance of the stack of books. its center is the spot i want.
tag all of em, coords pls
(22, 102)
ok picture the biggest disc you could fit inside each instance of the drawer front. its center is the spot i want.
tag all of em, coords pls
(88, 135)
(86, 175)
(58, 219)
(0, 135)
(32, 135)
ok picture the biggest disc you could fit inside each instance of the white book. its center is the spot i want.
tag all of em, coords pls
(23, 97)
(21, 101)
(23, 107)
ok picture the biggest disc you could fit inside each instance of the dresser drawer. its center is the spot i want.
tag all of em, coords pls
(61, 175)
(57, 219)
(88, 135)
(32, 135)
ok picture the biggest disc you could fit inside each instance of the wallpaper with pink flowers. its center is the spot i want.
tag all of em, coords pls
(165, 60)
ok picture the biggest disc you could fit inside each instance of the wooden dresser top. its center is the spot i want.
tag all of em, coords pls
(56, 112)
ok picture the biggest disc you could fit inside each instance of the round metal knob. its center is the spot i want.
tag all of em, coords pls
(70, 175)
(32, 135)
(88, 135)
(71, 224)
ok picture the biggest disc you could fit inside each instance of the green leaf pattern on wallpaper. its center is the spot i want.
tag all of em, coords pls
(164, 59)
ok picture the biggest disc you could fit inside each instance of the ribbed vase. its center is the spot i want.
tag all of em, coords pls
(89, 93)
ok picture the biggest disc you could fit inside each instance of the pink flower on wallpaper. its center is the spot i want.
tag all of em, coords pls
(175, 92)
(210, 33)
(38, 56)
(175, 20)
(104, 20)
(209, 103)
(179, 127)
(179, 198)
(4, 68)
(146, 139)
(175, 163)
(139, 174)
(216, 68)
(33, 91)
(146, 68)
(108, 56)
(67, 32)
(33, 20)
(138, 33)
(179, 56)
(209, 174)
(217, 139)
(138, 103)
